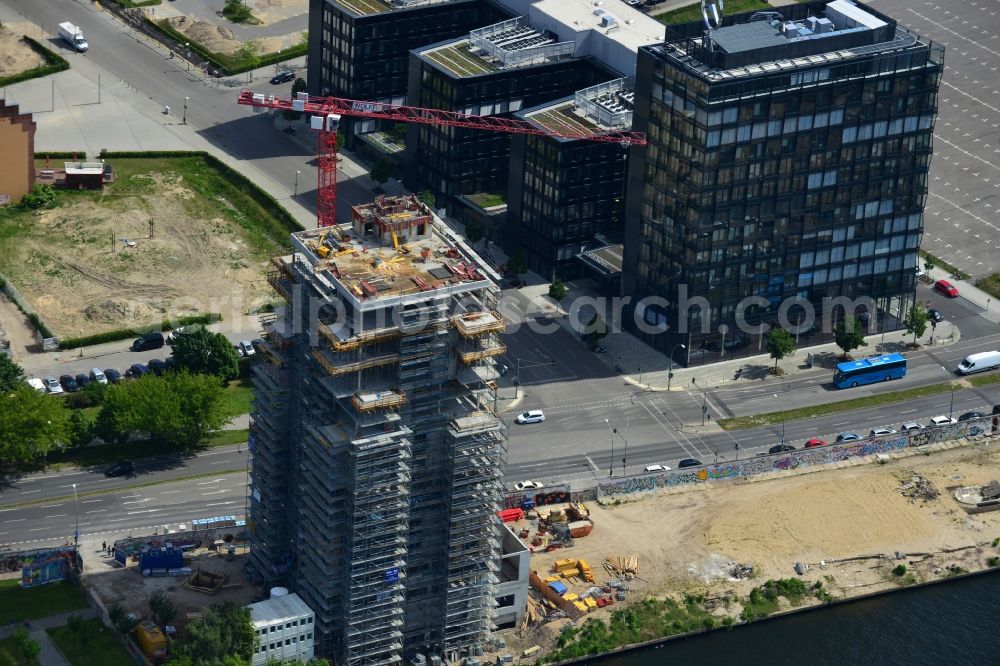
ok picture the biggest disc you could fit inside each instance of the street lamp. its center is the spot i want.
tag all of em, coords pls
(611, 465)
(297, 172)
(670, 362)
(187, 55)
(184, 118)
(76, 534)
(951, 405)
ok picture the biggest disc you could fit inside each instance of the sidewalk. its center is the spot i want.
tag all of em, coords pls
(970, 292)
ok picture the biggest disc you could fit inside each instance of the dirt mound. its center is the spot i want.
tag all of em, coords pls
(214, 37)
(15, 55)
(118, 311)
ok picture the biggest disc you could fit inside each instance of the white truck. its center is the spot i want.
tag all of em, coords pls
(73, 35)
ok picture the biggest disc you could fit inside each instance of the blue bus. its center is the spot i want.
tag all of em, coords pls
(870, 370)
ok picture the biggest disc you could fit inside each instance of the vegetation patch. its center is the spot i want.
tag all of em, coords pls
(11, 654)
(18, 604)
(89, 643)
(486, 199)
(985, 380)
(741, 422)
(52, 63)
(763, 600)
(990, 284)
(693, 12)
(643, 621)
(941, 263)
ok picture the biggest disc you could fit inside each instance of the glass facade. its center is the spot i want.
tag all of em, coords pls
(562, 193)
(807, 184)
(451, 160)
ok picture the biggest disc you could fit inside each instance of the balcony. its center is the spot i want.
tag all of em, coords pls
(468, 357)
(366, 402)
(472, 324)
(354, 366)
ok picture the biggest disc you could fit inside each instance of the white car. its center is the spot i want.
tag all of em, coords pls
(878, 432)
(941, 420)
(910, 426)
(246, 348)
(53, 385)
(657, 468)
(531, 416)
(528, 485)
(97, 375)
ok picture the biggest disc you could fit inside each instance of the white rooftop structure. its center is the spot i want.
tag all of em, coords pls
(284, 625)
(610, 31)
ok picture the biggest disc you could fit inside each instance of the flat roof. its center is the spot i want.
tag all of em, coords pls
(372, 7)
(601, 108)
(278, 609)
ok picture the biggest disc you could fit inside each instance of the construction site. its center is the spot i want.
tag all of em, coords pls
(377, 451)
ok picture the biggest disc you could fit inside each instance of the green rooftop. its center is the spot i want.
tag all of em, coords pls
(459, 60)
(562, 118)
(366, 7)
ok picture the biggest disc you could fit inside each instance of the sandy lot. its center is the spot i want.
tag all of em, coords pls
(130, 590)
(687, 541)
(75, 269)
(218, 36)
(15, 55)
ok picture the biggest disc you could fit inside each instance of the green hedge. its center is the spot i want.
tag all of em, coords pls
(60, 154)
(235, 178)
(129, 4)
(53, 63)
(126, 333)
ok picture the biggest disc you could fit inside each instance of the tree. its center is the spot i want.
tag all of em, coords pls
(205, 352)
(848, 335)
(427, 197)
(595, 330)
(237, 12)
(177, 409)
(516, 265)
(916, 321)
(81, 429)
(779, 343)
(381, 171)
(162, 608)
(11, 374)
(298, 85)
(223, 631)
(557, 290)
(121, 622)
(247, 54)
(28, 646)
(41, 196)
(474, 232)
(398, 132)
(31, 425)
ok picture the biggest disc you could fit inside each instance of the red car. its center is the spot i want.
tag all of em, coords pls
(946, 288)
(815, 441)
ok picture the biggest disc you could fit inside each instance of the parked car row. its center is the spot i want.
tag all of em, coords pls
(73, 383)
(909, 426)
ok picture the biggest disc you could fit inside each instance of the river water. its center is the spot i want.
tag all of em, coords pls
(954, 623)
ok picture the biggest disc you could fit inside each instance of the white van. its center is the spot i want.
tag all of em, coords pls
(73, 35)
(36, 384)
(980, 362)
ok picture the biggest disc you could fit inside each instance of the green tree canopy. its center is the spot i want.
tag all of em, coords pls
(162, 607)
(381, 171)
(11, 374)
(179, 409)
(557, 290)
(516, 265)
(205, 352)
(222, 636)
(779, 343)
(474, 232)
(848, 335)
(916, 321)
(31, 425)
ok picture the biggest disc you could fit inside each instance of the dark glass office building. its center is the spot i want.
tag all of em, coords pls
(567, 195)
(787, 159)
(360, 48)
(495, 70)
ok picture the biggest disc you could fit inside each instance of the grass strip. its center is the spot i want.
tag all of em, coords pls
(985, 380)
(18, 604)
(693, 12)
(92, 644)
(106, 454)
(742, 422)
(111, 491)
(941, 263)
(990, 284)
(10, 654)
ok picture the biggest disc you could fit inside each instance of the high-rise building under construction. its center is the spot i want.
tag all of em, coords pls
(377, 454)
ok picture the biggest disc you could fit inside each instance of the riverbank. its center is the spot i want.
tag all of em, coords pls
(852, 529)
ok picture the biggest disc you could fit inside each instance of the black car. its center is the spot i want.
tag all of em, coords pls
(157, 367)
(82, 380)
(968, 416)
(68, 383)
(136, 370)
(113, 375)
(996, 410)
(689, 462)
(171, 363)
(121, 468)
(598, 349)
(781, 448)
(284, 77)
(935, 316)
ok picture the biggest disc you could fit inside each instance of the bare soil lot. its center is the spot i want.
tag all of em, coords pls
(687, 541)
(94, 263)
(216, 33)
(15, 55)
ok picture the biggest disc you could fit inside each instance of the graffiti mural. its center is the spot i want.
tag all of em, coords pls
(544, 497)
(766, 464)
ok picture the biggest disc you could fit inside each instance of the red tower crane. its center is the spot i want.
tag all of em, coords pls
(326, 112)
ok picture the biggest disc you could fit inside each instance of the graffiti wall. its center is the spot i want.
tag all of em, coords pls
(820, 455)
(39, 566)
(541, 497)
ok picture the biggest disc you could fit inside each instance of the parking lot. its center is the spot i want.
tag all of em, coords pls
(961, 225)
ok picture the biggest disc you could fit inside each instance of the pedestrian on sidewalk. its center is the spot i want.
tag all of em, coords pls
(239, 447)
(104, 546)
